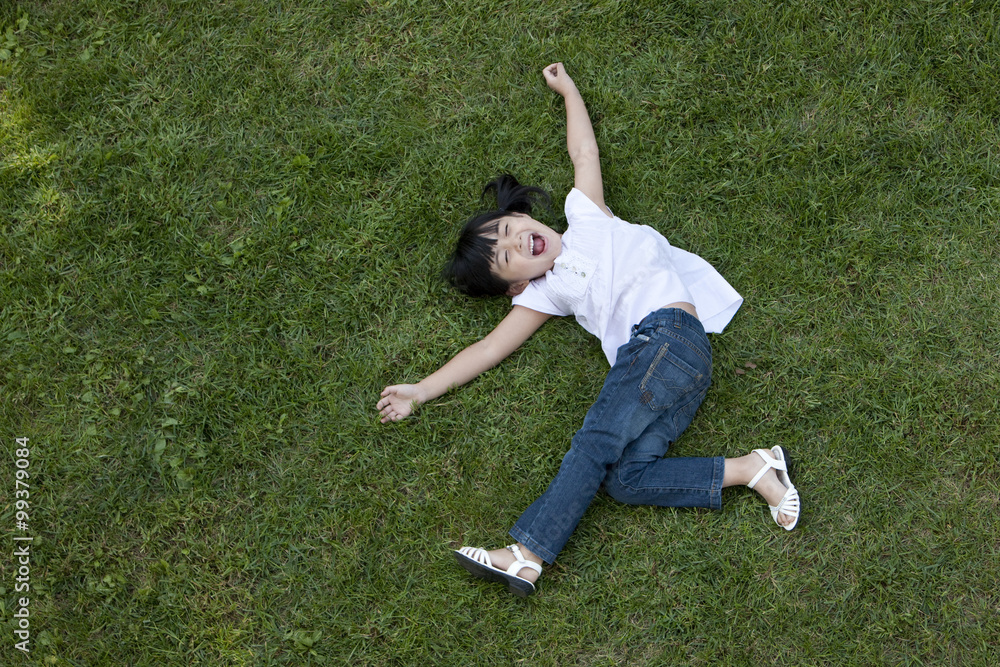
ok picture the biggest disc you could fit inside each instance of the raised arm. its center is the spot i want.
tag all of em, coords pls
(580, 140)
(398, 401)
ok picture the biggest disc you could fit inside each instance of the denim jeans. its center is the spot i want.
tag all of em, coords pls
(659, 379)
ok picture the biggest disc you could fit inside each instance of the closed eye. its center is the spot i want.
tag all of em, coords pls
(506, 254)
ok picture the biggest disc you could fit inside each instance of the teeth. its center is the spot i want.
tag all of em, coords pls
(531, 245)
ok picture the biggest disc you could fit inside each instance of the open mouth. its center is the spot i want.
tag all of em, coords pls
(536, 244)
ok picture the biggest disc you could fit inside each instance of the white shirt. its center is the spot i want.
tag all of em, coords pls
(611, 274)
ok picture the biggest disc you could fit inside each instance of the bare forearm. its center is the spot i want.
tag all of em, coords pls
(463, 367)
(580, 140)
(398, 401)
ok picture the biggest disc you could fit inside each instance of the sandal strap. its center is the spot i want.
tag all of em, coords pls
(478, 555)
(521, 562)
(789, 503)
(769, 463)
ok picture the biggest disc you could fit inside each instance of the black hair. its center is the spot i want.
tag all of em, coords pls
(468, 269)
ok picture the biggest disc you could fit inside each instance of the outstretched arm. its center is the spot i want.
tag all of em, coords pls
(580, 140)
(398, 401)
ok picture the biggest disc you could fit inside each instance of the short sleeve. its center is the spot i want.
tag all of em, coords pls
(579, 207)
(534, 297)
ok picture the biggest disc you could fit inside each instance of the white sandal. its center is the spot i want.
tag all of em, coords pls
(477, 562)
(790, 503)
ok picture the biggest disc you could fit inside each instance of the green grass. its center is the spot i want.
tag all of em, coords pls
(222, 229)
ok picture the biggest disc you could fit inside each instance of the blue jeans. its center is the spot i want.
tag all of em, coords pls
(659, 379)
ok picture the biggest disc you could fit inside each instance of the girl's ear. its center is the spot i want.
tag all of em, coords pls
(517, 288)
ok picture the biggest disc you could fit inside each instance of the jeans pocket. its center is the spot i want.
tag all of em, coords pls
(668, 380)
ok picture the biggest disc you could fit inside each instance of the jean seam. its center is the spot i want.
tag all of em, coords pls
(698, 397)
(690, 345)
(685, 489)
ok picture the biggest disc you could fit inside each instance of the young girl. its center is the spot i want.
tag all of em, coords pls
(650, 304)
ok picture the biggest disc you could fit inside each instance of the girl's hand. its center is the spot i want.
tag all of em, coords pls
(558, 80)
(398, 402)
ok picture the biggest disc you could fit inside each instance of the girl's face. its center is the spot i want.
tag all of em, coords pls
(525, 250)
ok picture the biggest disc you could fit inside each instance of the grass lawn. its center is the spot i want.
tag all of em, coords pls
(223, 224)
